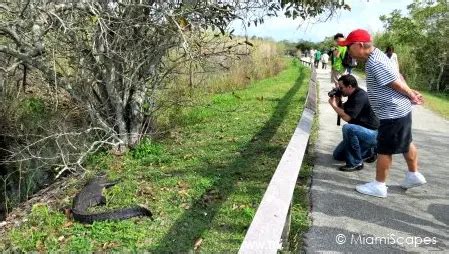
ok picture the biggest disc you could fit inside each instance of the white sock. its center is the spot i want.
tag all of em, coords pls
(412, 173)
(379, 183)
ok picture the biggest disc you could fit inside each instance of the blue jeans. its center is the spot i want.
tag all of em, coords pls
(358, 143)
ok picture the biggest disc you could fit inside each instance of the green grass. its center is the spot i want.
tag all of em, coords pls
(437, 102)
(203, 183)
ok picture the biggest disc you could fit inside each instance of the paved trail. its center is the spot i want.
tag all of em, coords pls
(415, 220)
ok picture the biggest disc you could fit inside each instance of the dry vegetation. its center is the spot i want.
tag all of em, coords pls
(33, 111)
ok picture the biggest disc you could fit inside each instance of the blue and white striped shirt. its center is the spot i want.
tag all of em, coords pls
(386, 102)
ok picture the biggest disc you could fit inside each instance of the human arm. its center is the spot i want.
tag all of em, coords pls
(402, 87)
(334, 101)
(385, 75)
(336, 52)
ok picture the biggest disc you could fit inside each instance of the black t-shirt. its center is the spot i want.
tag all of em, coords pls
(358, 108)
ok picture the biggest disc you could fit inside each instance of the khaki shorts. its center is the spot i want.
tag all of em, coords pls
(335, 75)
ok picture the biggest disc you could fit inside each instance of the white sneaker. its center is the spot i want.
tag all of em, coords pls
(373, 189)
(413, 180)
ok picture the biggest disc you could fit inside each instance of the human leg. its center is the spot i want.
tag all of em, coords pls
(367, 152)
(377, 187)
(383, 166)
(339, 152)
(411, 157)
(412, 178)
(384, 158)
(369, 147)
(334, 77)
(358, 141)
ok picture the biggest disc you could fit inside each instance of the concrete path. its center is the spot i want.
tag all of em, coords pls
(416, 220)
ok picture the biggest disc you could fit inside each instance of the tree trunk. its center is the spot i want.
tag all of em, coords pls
(440, 75)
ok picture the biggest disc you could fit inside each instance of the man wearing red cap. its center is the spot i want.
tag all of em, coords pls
(391, 99)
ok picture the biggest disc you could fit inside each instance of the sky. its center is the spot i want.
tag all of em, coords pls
(364, 14)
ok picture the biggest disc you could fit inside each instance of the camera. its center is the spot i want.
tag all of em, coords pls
(334, 92)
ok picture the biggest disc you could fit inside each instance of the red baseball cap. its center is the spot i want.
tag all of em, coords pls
(358, 35)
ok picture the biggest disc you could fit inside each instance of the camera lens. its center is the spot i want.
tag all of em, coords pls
(334, 92)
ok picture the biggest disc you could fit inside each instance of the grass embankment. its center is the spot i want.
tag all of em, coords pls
(437, 102)
(203, 184)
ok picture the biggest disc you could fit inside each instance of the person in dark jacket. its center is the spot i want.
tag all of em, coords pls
(360, 132)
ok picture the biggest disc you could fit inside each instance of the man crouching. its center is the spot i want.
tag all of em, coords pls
(360, 132)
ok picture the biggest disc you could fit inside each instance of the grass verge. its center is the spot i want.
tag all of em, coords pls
(437, 102)
(203, 184)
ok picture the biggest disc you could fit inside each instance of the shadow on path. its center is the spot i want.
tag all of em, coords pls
(416, 214)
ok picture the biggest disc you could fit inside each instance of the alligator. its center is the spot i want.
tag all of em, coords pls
(91, 195)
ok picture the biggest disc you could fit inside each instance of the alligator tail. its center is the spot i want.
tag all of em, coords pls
(119, 214)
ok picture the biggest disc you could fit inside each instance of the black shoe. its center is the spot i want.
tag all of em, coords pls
(371, 159)
(347, 168)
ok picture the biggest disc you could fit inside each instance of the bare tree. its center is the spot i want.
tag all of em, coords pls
(112, 56)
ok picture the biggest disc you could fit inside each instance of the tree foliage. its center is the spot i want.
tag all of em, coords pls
(111, 56)
(421, 42)
(107, 60)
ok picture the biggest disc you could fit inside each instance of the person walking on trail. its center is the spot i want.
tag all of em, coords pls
(353, 64)
(337, 59)
(360, 132)
(312, 56)
(391, 99)
(324, 60)
(393, 57)
(317, 58)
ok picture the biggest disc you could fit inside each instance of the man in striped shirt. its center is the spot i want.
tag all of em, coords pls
(391, 99)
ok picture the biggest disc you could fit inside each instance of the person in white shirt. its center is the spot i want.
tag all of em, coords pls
(324, 60)
(312, 56)
(393, 57)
